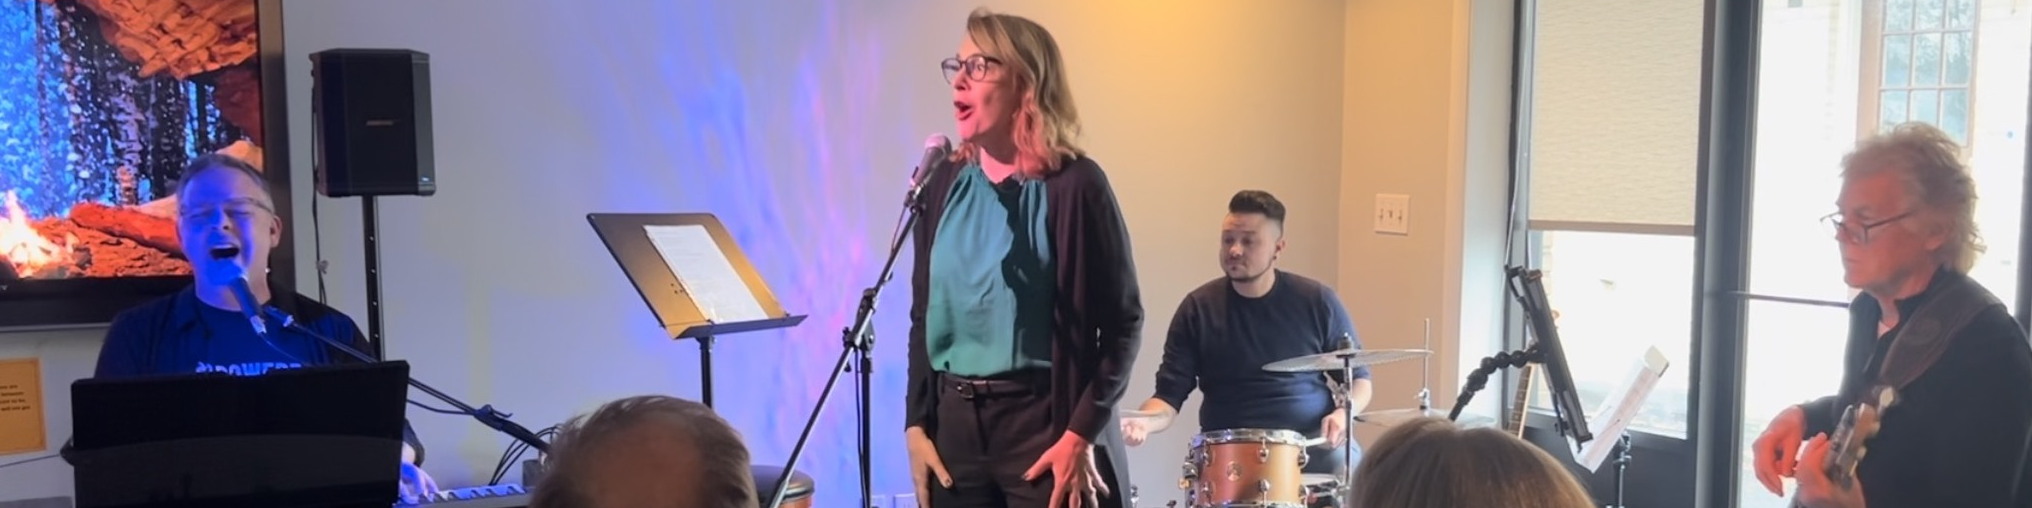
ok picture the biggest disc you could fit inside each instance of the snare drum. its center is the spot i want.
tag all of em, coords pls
(1245, 468)
(797, 496)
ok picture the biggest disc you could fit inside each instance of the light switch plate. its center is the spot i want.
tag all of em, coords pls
(1393, 214)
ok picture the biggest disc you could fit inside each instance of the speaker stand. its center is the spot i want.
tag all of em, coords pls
(370, 221)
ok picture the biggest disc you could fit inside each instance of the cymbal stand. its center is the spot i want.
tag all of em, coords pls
(1425, 373)
(1348, 427)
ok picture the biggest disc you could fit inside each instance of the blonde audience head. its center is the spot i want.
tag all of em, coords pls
(1431, 462)
(649, 451)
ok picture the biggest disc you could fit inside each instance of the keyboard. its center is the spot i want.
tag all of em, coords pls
(507, 495)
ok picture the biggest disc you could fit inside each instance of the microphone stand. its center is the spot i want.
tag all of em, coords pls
(859, 342)
(485, 414)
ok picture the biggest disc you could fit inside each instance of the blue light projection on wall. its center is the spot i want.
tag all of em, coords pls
(777, 147)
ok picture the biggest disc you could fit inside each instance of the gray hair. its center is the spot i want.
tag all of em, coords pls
(725, 480)
(1936, 178)
(200, 164)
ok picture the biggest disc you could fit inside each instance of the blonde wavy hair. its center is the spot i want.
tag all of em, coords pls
(1931, 165)
(1431, 462)
(1047, 124)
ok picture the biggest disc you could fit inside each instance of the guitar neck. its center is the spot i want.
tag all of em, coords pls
(1520, 403)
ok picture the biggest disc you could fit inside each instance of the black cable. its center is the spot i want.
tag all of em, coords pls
(25, 461)
(514, 454)
(439, 410)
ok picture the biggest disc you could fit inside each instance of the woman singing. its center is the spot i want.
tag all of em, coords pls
(1025, 317)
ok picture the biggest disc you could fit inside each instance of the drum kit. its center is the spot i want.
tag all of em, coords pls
(1262, 468)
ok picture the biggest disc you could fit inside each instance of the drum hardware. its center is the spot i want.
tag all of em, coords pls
(1270, 479)
(1344, 358)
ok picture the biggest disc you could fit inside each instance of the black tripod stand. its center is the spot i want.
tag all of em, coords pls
(859, 342)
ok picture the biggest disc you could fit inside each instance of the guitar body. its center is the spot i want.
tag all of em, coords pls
(1849, 443)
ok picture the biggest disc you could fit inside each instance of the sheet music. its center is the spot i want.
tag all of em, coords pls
(706, 273)
(1609, 422)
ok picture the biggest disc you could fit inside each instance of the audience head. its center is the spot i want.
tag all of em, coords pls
(1010, 93)
(647, 452)
(1252, 235)
(1431, 462)
(1907, 207)
(223, 204)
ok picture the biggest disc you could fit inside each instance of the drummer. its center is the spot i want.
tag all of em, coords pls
(1228, 329)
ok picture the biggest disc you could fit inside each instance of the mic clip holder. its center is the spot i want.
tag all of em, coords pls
(486, 414)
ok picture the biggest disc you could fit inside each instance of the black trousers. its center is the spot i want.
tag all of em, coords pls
(988, 433)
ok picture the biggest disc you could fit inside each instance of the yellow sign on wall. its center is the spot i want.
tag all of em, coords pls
(21, 422)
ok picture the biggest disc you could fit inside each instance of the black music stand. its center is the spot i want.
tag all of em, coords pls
(694, 277)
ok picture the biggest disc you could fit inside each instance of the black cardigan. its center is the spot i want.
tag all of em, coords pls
(1960, 434)
(1097, 321)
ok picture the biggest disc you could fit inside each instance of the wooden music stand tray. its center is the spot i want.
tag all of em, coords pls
(694, 277)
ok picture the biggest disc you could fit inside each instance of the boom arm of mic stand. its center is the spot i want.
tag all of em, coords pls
(487, 415)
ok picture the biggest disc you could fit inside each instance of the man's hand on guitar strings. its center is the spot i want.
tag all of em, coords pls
(1815, 489)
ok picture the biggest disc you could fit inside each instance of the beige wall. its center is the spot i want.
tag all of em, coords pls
(1427, 112)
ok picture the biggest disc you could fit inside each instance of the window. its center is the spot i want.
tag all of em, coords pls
(1918, 65)
(1611, 135)
(1617, 295)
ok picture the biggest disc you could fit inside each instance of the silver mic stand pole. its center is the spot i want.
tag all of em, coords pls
(1425, 373)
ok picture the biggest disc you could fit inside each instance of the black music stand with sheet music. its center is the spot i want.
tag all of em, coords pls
(694, 277)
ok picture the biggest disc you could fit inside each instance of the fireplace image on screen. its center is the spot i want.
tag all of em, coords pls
(102, 102)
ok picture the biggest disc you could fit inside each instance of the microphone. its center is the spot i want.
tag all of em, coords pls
(242, 291)
(936, 149)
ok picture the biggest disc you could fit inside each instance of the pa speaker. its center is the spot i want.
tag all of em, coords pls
(370, 111)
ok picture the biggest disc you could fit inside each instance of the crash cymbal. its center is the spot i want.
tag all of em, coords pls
(1333, 360)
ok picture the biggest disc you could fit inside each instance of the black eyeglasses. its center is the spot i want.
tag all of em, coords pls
(1858, 231)
(976, 67)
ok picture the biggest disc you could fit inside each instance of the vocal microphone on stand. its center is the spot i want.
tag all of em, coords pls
(936, 149)
(242, 290)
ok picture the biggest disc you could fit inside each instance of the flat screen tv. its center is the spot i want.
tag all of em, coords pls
(102, 102)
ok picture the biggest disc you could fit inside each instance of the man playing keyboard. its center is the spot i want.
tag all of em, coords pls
(226, 224)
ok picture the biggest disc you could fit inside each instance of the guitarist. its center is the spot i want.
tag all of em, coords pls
(1959, 434)
(1225, 331)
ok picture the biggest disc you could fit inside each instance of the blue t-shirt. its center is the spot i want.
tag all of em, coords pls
(1219, 341)
(992, 279)
(179, 334)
